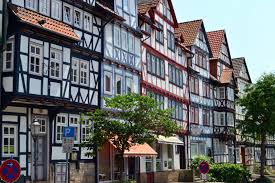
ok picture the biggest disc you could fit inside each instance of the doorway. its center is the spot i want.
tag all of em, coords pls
(133, 165)
(181, 151)
(41, 150)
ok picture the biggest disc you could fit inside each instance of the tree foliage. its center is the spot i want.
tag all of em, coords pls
(128, 120)
(259, 107)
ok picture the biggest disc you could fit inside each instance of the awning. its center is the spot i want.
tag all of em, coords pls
(169, 140)
(138, 150)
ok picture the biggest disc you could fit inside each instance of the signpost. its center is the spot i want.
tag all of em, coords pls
(10, 171)
(204, 169)
(67, 145)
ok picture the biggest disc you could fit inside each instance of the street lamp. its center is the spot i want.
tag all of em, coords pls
(35, 131)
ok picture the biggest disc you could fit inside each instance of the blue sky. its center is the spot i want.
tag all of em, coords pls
(249, 25)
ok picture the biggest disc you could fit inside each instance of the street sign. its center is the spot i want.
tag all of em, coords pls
(204, 177)
(10, 171)
(204, 167)
(68, 132)
(68, 140)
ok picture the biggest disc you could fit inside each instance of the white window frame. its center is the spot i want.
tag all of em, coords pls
(40, 57)
(44, 7)
(118, 78)
(75, 124)
(88, 25)
(117, 41)
(9, 136)
(124, 40)
(75, 68)
(82, 72)
(85, 127)
(108, 74)
(55, 68)
(61, 125)
(31, 4)
(68, 19)
(5, 69)
(80, 18)
(131, 83)
(220, 91)
(56, 11)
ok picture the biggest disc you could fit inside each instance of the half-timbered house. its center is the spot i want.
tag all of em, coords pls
(120, 70)
(51, 72)
(221, 69)
(245, 150)
(200, 87)
(164, 77)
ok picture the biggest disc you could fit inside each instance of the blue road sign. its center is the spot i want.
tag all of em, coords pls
(68, 132)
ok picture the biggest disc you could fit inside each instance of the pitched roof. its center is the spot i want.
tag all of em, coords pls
(215, 39)
(189, 31)
(226, 76)
(49, 24)
(238, 63)
(145, 5)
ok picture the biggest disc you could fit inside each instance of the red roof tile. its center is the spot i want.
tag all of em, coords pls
(145, 5)
(226, 76)
(33, 18)
(140, 150)
(215, 39)
(189, 31)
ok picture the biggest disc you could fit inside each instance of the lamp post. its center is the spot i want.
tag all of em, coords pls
(35, 131)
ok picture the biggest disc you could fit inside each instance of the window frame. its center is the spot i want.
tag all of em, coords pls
(80, 17)
(75, 68)
(84, 70)
(61, 125)
(121, 81)
(36, 56)
(127, 82)
(44, 6)
(206, 117)
(55, 13)
(171, 40)
(32, 5)
(69, 19)
(87, 26)
(159, 37)
(152, 62)
(5, 69)
(56, 62)
(110, 75)
(76, 126)
(10, 136)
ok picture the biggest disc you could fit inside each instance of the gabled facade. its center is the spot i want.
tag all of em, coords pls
(120, 70)
(245, 151)
(221, 69)
(164, 76)
(200, 88)
(51, 72)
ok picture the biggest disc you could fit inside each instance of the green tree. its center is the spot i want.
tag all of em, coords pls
(130, 119)
(259, 108)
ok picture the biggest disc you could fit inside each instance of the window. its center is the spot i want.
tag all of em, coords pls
(206, 89)
(149, 164)
(55, 64)
(221, 93)
(84, 72)
(43, 125)
(206, 117)
(77, 18)
(9, 140)
(230, 94)
(147, 28)
(177, 109)
(74, 122)
(61, 122)
(108, 82)
(159, 33)
(85, 130)
(75, 70)
(31, 4)
(8, 56)
(158, 98)
(230, 119)
(129, 85)
(175, 76)
(87, 22)
(165, 8)
(200, 59)
(194, 115)
(126, 5)
(44, 7)
(220, 118)
(56, 9)
(118, 84)
(36, 56)
(158, 158)
(155, 66)
(131, 44)
(116, 36)
(194, 85)
(198, 149)
(124, 40)
(67, 14)
(171, 40)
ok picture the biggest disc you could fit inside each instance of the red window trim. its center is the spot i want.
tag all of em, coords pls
(195, 115)
(207, 122)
